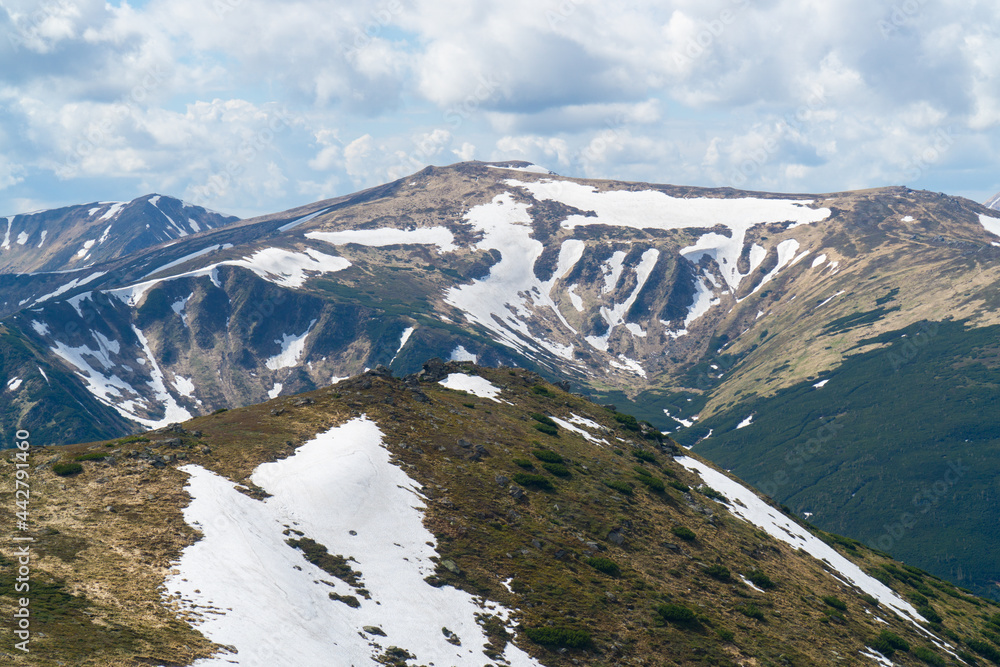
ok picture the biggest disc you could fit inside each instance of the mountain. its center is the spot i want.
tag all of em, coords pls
(994, 202)
(836, 350)
(462, 515)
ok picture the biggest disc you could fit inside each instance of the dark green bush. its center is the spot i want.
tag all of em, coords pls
(543, 419)
(709, 492)
(835, 602)
(533, 481)
(676, 613)
(643, 455)
(557, 469)
(759, 579)
(67, 469)
(524, 463)
(619, 486)
(720, 572)
(892, 640)
(751, 610)
(627, 421)
(870, 599)
(542, 390)
(680, 486)
(547, 455)
(929, 613)
(653, 483)
(605, 565)
(725, 635)
(986, 650)
(556, 636)
(928, 656)
(548, 430)
(683, 532)
(917, 599)
(91, 456)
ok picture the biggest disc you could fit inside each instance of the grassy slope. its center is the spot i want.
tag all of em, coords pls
(107, 536)
(909, 460)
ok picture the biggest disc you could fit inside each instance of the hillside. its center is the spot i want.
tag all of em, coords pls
(526, 523)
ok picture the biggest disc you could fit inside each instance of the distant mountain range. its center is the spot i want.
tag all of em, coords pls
(836, 350)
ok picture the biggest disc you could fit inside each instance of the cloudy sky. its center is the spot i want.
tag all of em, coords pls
(250, 106)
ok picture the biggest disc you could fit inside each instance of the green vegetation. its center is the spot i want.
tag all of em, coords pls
(752, 611)
(676, 613)
(835, 602)
(683, 532)
(557, 469)
(559, 637)
(546, 455)
(533, 481)
(605, 565)
(720, 572)
(67, 469)
(91, 456)
(759, 579)
(619, 486)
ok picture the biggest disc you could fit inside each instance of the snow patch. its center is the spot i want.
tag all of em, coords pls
(275, 390)
(301, 221)
(185, 387)
(40, 328)
(292, 346)
(817, 261)
(472, 384)
(116, 208)
(340, 490)
(13, 384)
(991, 224)
(821, 384)
(461, 354)
(22, 238)
(746, 422)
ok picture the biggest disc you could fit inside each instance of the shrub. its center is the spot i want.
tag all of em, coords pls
(524, 463)
(557, 469)
(709, 492)
(889, 642)
(725, 635)
(605, 565)
(984, 649)
(929, 613)
(720, 572)
(643, 455)
(619, 486)
(533, 481)
(67, 469)
(555, 636)
(928, 656)
(870, 599)
(683, 532)
(542, 390)
(680, 486)
(653, 483)
(752, 611)
(675, 613)
(835, 602)
(543, 419)
(917, 599)
(547, 455)
(628, 422)
(91, 456)
(759, 579)
(548, 430)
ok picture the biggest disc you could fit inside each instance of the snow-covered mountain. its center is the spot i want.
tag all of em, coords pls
(695, 306)
(994, 202)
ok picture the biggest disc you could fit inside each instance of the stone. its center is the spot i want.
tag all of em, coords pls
(374, 630)
(450, 565)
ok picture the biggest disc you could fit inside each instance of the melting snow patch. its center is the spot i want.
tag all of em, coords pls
(575, 298)
(908, 218)
(630, 365)
(876, 656)
(304, 219)
(746, 422)
(461, 354)
(750, 584)
(683, 422)
(402, 341)
(830, 299)
(115, 209)
(821, 384)
(22, 238)
(45, 233)
(748, 506)
(472, 384)
(40, 328)
(991, 224)
(579, 431)
(14, 384)
(6, 237)
(76, 282)
(185, 258)
(291, 349)
(275, 390)
(86, 247)
(185, 387)
(438, 236)
(817, 261)
(531, 169)
(263, 596)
